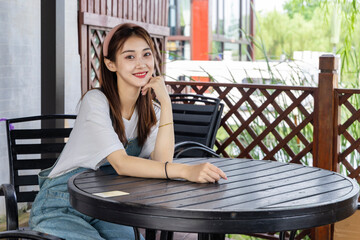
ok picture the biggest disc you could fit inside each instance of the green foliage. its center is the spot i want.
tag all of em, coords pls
(305, 8)
(307, 26)
(282, 34)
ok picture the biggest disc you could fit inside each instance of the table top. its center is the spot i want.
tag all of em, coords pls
(259, 196)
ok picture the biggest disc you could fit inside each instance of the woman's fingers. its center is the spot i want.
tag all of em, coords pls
(158, 85)
(219, 171)
(204, 172)
(208, 178)
(144, 91)
(211, 173)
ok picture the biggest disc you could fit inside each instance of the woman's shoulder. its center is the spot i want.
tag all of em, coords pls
(94, 95)
(93, 100)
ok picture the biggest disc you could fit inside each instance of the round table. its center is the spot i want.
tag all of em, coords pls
(259, 196)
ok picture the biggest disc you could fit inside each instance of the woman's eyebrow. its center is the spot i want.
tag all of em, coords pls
(126, 51)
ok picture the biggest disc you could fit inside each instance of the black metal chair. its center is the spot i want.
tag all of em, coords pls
(196, 121)
(30, 150)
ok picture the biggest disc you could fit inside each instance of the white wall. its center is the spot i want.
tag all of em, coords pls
(19, 68)
(72, 58)
(20, 59)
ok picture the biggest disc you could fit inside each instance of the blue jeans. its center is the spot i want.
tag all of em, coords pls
(52, 213)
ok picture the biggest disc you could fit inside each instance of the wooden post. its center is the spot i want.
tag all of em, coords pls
(325, 125)
(83, 49)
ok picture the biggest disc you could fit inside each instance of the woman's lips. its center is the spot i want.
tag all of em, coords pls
(140, 74)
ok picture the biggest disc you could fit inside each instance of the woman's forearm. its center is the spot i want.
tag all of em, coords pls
(164, 145)
(140, 167)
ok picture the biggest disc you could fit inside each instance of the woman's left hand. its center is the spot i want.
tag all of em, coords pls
(158, 85)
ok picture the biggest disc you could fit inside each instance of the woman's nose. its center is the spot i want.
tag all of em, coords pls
(140, 63)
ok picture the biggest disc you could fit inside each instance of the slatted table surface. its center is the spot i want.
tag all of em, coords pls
(259, 196)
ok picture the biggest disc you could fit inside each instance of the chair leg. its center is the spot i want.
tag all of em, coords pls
(282, 235)
(217, 236)
(211, 236)
(292, 235)
(150, 234)
(137, 233)
(165, 235)
(203, 236)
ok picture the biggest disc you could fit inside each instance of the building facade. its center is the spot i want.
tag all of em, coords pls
(211, 30)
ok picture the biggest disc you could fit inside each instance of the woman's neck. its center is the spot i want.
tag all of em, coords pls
(128, 97)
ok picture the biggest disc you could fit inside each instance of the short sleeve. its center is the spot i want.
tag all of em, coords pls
(93, 137)
(149, 144)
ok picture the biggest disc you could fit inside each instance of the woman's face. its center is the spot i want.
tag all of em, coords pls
(134, 63)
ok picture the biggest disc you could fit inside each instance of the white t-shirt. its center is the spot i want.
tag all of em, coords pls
(93, 137)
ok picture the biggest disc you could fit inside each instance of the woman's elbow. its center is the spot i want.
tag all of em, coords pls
(162, 157)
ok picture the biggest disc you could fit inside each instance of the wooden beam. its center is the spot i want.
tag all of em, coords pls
(110, 22)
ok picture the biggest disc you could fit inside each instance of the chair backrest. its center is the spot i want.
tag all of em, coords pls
(196, 118)
(32, 149)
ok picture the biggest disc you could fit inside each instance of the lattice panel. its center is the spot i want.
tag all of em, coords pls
(96, 38)
(349, 132)
(261, 121)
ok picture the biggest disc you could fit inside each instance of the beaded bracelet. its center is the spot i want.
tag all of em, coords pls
(167, 177)
(165, 124)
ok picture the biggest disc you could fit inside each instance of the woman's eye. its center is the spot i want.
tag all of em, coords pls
(130, 57)
(147, 54)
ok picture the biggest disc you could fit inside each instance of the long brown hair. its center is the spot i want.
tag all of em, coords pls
(108, 85)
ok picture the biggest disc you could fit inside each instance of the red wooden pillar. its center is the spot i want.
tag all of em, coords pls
(251, 47)
(199, 30)
(326, 122)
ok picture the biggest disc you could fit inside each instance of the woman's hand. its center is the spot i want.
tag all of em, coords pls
(203, 173)
(158, 85)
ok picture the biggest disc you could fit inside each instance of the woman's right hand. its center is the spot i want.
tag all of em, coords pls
(204, 173)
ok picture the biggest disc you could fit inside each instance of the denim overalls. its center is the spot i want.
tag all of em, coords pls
(52, 213)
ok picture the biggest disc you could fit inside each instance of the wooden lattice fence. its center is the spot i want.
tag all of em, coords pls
(316, 126)
(348, 132)
(261, 121)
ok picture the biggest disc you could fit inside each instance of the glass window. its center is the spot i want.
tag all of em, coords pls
(172, 17)
(217, 50)
(185, 17)
(232, 19)
(245, 10)
(221, 17)
(231, 51)
(214, 20)
(178, 50)
(179, 17)
(244, 52)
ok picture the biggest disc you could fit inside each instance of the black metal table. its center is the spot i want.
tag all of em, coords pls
(259, 196)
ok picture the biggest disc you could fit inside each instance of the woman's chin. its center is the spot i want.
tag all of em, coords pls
(143, 82)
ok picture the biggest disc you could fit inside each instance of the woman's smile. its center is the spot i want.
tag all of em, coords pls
(140, 74)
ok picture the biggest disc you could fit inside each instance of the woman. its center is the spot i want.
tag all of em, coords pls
(117, 124)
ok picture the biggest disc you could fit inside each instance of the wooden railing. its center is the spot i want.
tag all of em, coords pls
(289, 123)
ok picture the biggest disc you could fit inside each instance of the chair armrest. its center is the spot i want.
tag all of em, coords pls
(8, 191)
(183, 147)
(27, 234)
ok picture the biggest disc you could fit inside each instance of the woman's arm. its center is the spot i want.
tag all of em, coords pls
(139, 167)
(164, 145)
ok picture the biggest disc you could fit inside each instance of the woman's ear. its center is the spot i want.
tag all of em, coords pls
(110, 65)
